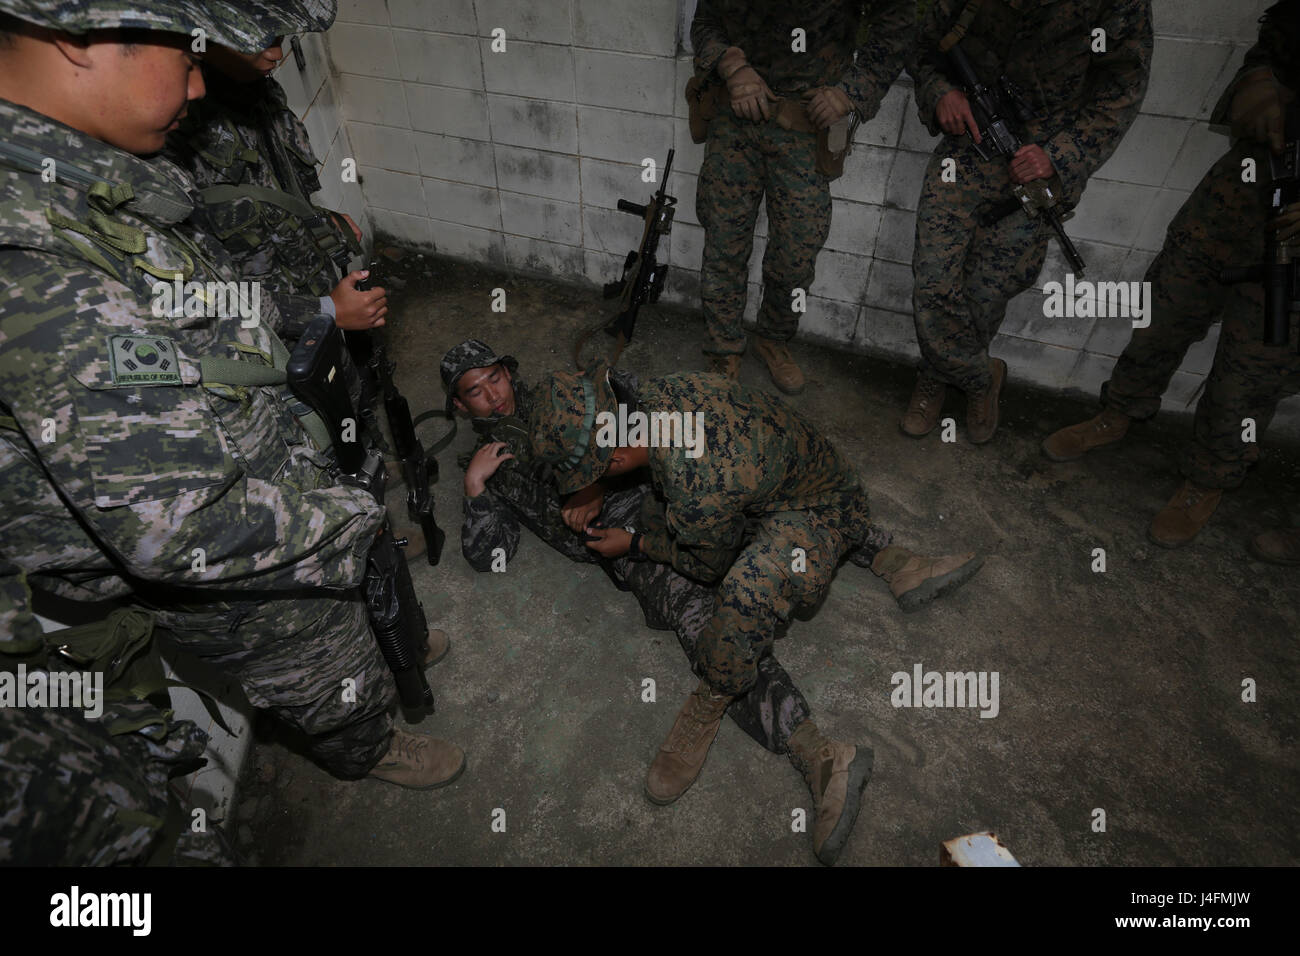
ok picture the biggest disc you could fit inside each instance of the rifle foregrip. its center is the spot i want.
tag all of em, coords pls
(635, 208)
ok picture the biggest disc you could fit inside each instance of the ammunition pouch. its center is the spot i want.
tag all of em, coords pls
(702, 106)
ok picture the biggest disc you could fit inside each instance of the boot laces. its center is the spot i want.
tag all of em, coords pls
(694, 721)
(928, 390)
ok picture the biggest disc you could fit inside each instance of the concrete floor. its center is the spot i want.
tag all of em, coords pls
(1119, 691)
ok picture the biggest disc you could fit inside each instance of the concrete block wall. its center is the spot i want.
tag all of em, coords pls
(518, 158)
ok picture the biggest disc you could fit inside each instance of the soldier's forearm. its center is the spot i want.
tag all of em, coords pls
(489, 532)
(708, 39)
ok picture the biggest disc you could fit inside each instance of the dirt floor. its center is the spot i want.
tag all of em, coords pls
(1119, 691)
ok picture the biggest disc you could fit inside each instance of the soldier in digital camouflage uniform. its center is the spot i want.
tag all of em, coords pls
(764, 514)
(771, 100)
(1223, 223)
(964, 272)
(143, 457)
(253, 162)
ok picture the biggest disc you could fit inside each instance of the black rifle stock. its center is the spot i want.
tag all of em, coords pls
(396, 615)
(1280, 270)
(995, 112)
(643, 274)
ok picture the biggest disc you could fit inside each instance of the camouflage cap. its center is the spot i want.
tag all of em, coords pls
(563, 427)
(248, 27)
(459, 359)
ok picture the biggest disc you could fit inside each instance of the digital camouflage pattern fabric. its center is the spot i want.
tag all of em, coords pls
(223, 142)
(520, 493)
(1223, 223)
(205, 500)
(746, 161)
(768, 483)
(965, 273)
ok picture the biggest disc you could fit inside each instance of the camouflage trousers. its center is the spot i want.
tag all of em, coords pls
(75, 793)
(768, 580)
(774, 706)
(1222, 224)
(311, 660)
(965, 273)
(744, 161)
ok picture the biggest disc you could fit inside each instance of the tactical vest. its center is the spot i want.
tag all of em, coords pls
(276, 234)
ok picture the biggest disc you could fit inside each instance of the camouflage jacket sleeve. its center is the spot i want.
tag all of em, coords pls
(1257, 57)
(152, 472)
(708, 39)
(927, 66)
(489, 524)
(1116, 84)
(700, 539)
(296, 311)
(891, 35)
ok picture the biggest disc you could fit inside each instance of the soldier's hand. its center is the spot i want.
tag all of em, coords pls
(750, 95)
(610, 542)
(827, 105)
(1030, 163)
(954, 115)
(1256, 111)
(354, 309)
(356, 230)
(483, 466)
(583, 507)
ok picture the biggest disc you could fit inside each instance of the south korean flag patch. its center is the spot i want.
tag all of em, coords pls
(137, 360)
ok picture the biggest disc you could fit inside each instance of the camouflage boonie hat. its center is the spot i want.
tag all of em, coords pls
(247, 27)
(470, 354)
(563, 430)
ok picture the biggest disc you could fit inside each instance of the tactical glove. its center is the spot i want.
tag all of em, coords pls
(1256, 111)
(749, 94)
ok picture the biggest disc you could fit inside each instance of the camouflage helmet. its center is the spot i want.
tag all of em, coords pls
(248, 27)
(468, 355)
(563, 428)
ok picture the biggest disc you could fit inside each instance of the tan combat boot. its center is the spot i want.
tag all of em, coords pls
(437, 648)
(1185, 515)
(836, 773)
(681, 756)
(785, 373)
(418, 762)
(1075, 441)
(982, 407)
(1280, 546)
(728, 365)
(916, 580)
(923, 410)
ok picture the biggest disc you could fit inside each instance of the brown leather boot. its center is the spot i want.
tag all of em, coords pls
(836, 773)
(418, 762)
(1185, 515)
(1279, 546)
(437, 648)
(916, 580)
(681, 756)
(923, 410)
(728, 365)
(785, 373)
(982, 407)
(1075, 441)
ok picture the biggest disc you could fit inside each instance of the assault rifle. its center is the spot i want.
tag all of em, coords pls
(995, 110)
(1280, 271)
(419, 467)
(396, 615)
(643, 274)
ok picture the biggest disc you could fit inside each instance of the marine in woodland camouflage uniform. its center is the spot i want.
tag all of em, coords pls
(1223, 223)
(965, 273)
(765, 511)
(745, 161)
(128, 471)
